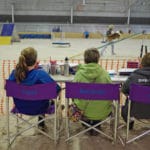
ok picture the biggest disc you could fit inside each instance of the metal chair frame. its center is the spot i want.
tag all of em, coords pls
(35, 92)
(138, 93)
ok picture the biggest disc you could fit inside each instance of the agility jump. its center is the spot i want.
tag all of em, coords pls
(61, 43)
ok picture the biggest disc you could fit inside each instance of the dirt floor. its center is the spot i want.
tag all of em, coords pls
(33, 141)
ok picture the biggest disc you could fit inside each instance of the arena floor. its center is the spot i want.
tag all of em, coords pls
(126, 49)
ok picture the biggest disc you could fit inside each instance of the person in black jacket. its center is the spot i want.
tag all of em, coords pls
(140, 76)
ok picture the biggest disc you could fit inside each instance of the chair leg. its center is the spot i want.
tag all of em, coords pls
(55, 124)
(137, 137)
(17, 122)
(116, 122)
(128, 120)
(67, 119)
(8, 122)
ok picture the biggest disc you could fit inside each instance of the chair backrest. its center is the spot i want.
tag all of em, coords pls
(34, 92)
(90, 91)
(140, 98)
(140, 93)
(31, 100)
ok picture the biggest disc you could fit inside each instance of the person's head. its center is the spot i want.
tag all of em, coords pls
(145, 62)
(111, 27)
(27, 59)
(91, 55)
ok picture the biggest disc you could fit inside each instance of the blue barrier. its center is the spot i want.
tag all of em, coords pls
(35, 36)
(7, 29)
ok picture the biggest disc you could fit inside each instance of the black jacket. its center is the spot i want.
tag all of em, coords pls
(139, 76)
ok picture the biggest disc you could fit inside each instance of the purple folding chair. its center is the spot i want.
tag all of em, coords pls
(138, 94)
(96, 91)
(34, 93)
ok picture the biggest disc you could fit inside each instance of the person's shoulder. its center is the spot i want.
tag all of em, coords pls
(13, 71)
(42, 75)
(40, 72)
(12, 75)
(137, 71)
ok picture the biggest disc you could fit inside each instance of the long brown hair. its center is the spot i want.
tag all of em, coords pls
(27, 58)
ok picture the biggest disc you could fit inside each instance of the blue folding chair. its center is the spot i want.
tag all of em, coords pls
(96, 91)
(138, 94)
(36, 93)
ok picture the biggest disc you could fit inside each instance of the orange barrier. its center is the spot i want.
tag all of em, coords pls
(108, 64)
(2, 105)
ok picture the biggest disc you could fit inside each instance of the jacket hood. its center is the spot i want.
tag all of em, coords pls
(90, 71)
(143, 72)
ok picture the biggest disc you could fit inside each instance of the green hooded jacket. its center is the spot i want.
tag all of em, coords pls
(93, 110)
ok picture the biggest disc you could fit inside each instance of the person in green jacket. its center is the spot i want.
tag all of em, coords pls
(92, 72)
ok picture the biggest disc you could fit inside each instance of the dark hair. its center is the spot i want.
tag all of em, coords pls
(91, 55)
(27, 58)
(146, 60)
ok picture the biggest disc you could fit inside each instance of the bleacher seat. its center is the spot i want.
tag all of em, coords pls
(7, 29)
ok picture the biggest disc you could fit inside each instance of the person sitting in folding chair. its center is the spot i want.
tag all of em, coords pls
(92, 72)
(140, 76)
(27, 73)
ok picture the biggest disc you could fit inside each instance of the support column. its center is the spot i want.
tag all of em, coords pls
(12, 13)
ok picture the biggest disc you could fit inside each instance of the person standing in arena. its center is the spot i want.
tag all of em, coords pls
(109, 40)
